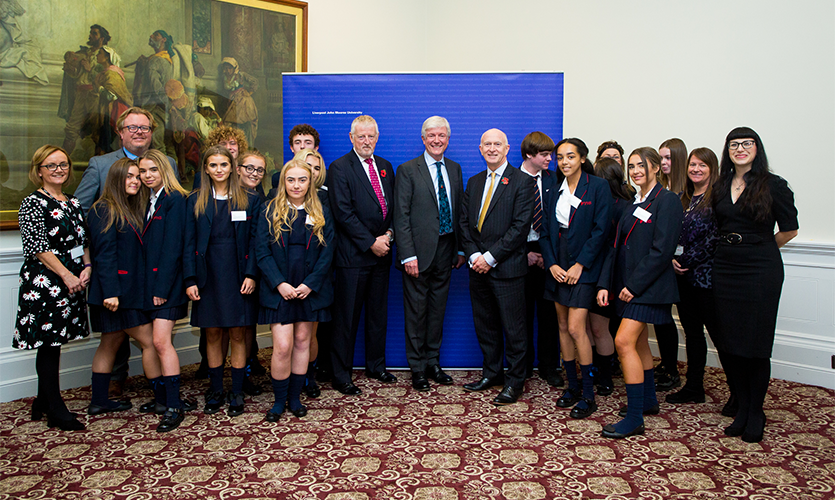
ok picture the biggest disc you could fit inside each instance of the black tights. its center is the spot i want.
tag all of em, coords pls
(748, 379)
(667, 337)
(47, 364)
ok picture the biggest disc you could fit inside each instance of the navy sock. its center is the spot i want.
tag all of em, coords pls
(634, 409)
(238, 375)
(101, 383)
(588, 384)
(280, 393)
(571, 375)
(311, 372)
(650, 398)
(604, 370)
(216, 378)
(158, 386)
(172, 392)
(295, 390)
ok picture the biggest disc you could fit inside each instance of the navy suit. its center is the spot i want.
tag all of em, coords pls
(498, 297)
(361, 277)
(274, 261)
(164, 241)
(118, 263)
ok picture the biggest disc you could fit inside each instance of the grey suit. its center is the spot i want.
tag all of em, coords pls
(92, 182)
(417, 234)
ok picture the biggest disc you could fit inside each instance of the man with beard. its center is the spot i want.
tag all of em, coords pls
(78, 99)
(152, 73)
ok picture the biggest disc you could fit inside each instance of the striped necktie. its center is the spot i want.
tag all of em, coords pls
(537, 209)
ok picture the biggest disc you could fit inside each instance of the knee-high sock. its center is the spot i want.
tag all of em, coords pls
(571, 375)
(238, 375)
(172, 392)
(280, 393)
(634, 409)
(650, 398)
(216, 378)
(101, 383)
(158, 386)
(295, 390)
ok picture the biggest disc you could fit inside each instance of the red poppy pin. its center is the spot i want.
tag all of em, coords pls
(382, 173)
(504, 181)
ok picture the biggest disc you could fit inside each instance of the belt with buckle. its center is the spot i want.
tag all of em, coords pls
(745, 239)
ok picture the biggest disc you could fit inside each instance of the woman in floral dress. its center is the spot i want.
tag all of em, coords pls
(52, 309)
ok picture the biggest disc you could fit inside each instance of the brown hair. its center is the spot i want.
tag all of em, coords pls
(706, 155)
(535, 143)
(678, 165)
(120, 207)
(39, 157)
(135, 110)
(649, 156)
(609, 145)
(238, 198)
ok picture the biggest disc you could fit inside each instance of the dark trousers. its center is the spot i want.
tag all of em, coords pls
(667, 337)
(424, 305)
(47, 365)
(500, 304)
(357, 287)
(548, 338)
(696, 312)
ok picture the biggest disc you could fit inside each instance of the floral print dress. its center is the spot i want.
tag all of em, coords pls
(47, 314)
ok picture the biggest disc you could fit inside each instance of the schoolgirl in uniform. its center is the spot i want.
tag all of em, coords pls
(219, 269)
(638, 277)
(117, 284)
(574, 232)
(165, 296)
(295, 251)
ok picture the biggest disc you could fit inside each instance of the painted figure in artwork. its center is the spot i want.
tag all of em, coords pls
(17, 51)
(239, 86)
(152, 73)
(113, 98)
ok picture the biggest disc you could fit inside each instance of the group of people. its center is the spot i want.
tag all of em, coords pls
(597, 260)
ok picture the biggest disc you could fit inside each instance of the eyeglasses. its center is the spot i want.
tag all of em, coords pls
(52, 167)
(733, 146)
(252, 169)
(136, 128)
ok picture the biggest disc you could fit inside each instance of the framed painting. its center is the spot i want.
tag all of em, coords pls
(67, 72)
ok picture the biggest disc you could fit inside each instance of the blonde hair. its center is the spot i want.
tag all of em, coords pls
(169, 180)
(320, 177)
(282, 215)
(120, 206)
(39, 157)
(238, 198)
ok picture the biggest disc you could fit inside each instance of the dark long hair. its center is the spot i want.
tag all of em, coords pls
(678, 165)
(612, 171)
(706, 155)
(119, 207)
(582, 150)
(756, 199)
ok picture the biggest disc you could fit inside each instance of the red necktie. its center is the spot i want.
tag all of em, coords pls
(375, 183)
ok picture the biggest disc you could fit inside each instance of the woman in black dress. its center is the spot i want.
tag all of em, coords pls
(748, 272)
(220, 270)
(294, 250)
(56, 269)
(639, 273)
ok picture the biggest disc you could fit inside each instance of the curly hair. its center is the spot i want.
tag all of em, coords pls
(224, 133)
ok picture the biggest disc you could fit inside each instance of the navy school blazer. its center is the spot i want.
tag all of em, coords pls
(164, 239)
(118, 262)
(274, 262)
(198, 230)
(650, 247)
(587, 234)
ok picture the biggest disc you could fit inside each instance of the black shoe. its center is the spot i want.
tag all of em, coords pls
(484, 384)
(584, 412)
(236, 404)
(754, 429)
(348, 389)
(666, 381)
(437, 374)
(382, 376)
(152, 407)
(419, 382)
(121, 405)
(652, 410)
(272, 417)
(251, 388)
(686, 395)
(605, 389)
(610, 432)
(188, 404)
(214, 402)
(312, 389)
(508, 396)
(70, 424)
(38, 409)
(568, 399)
(552, 377)
(299, 412)
(729, 410)
(171, 419)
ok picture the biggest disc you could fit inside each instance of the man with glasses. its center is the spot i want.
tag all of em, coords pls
(361, 197)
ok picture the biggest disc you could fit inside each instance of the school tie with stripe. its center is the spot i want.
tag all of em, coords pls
(537, 209)
(486, 201)
(375, 184)
(443, 204)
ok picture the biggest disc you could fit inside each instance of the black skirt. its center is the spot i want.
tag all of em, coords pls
(581, 295)
(106, 321)
(170, 313)
(655, 314)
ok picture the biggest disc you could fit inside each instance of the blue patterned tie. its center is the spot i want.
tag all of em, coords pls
(443, 204)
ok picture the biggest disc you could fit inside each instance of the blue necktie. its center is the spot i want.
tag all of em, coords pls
(443, 204)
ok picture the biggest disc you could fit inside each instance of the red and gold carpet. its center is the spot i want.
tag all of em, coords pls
(394, 443)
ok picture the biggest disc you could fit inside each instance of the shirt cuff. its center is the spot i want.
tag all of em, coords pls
(488, 257)
(473, 258)
(408, 260)
(462, 254)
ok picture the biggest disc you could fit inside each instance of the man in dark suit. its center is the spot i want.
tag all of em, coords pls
(361, 196)
(537, 149)
(428, 196)
(495, 220)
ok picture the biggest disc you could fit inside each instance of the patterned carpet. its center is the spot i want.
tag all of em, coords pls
(395, 443)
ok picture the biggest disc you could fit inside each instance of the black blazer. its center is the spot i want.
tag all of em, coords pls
(356, 211)
(416, 216)
(118, 263)
(587, 232)
(650, 247)
(163, 236)
(274, 262)
(506, 225)
(197, 234)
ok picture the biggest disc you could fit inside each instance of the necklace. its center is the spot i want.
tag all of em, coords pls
(739, 187)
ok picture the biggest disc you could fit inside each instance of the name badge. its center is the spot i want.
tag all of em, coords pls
(575, 202)
(238, 215)
(77, 252)
(642, 214)
(679, 250)
(308, 221)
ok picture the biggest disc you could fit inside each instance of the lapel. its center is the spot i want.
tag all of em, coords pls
(580, 191)
(162, 197)
(359, 171)
(423, 172)
(508, 174)
(478, 192)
